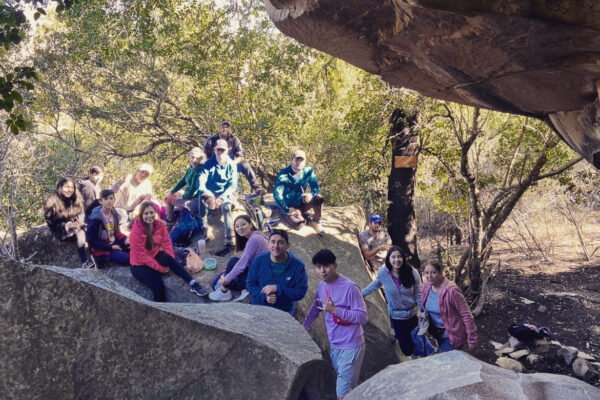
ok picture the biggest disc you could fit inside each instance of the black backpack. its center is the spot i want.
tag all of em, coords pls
(528, 333)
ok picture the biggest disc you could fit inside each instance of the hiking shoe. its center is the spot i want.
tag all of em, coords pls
(392, 335)
(225, 250)
(242, 296)
(317, 227)
(198, 289)
(219, 295)
(89, 264)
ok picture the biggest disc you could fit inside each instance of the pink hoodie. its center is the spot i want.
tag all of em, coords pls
(456, 315)
(139, 255)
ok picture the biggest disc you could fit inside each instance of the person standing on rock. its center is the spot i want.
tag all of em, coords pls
(450, 320)
(290, 193)
(374, 242)
(217, 185)
(277, 278)
(152, 254)
(402, 284)
(89, 187)
(64, 214)
(345, 313)
(236, 153)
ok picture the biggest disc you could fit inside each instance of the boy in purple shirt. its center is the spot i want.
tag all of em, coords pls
(345, 313)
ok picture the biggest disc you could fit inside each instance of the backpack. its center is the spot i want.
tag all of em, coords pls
(528, 333)
(186, 226)
(422, 345)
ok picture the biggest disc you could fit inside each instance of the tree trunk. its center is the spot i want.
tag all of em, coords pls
(402, 224)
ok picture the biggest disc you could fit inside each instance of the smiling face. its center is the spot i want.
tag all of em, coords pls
(433, 276)
(67, 189)
(243, 228)
(396, 259)
(278, 247)
(298, 163)
(375, 226)
(141, 176)
(327, 273)
(149, 214)
(196, 158)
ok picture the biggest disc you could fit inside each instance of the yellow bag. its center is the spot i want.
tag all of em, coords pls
(194, 263)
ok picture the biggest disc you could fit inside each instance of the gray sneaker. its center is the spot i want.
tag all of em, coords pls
(89, 264)
(219, 295)
(242, 296)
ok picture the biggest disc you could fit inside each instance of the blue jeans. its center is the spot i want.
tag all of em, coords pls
(227, 220)
(445, 344)
(347, 364)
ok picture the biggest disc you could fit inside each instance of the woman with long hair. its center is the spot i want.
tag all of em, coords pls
(402, 284)
(152, 254)
(252, 242)
(64, 214)
(450, 320)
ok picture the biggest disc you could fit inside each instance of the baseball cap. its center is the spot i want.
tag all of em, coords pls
(221, 144)
(299, 154)
(225, 121)
(375, 218)
(146, 167)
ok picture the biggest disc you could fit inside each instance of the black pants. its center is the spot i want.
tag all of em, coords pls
(402, 330)
(296, 222)
(153, 279)
(246, 169)
(78, 237)
(239, 283)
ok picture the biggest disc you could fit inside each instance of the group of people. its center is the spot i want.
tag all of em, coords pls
(265, 268)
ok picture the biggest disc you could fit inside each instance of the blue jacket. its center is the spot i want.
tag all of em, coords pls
(288, 191)
(292, 284)
(401, 303)
(221, 180)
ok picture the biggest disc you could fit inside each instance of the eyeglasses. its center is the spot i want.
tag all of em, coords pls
(377, 223)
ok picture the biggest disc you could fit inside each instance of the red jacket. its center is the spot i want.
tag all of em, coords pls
(139, 255)
(456, 315)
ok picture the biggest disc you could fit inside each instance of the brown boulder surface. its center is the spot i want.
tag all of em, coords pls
(73, 334)
(538, 58)
(458, 376)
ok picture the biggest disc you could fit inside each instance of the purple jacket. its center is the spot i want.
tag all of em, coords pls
(349, 306)
(456, 315)
(257, 244)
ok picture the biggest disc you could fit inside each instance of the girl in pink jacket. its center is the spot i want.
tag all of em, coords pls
(450, 320)
(152, 254)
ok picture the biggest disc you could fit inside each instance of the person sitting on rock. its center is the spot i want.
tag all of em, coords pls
(152, 254)
(289, 193)
(131, 191)
(402, 284)
(107, 242)
(235, 152)
(345, 313)
(89, 187)
(277, 279)
(374, 242)
(189, 198)
(252, 242)
(450, 320)
(217, 185)
(64, 214)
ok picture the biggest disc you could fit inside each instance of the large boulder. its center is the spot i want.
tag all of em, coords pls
(458, 376)
(537, 58)
(74, 334)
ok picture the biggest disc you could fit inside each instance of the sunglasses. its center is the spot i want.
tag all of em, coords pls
(220, 150)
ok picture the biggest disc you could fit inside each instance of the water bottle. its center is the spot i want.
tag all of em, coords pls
(201, 247)
(270, 224)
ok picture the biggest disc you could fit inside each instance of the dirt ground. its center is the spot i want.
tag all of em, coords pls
(562, 293)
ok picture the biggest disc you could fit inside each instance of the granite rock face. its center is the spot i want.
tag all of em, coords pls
(458, 376)
(537, 58)
(74, 334)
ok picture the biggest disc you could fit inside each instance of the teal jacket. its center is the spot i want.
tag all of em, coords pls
(190, 182)
(221, 180)
(288, 191)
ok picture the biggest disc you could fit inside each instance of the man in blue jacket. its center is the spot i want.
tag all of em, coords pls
(277, 278)
(291, 197)
(217, 185)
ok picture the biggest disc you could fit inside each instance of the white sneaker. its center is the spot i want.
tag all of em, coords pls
(219, 295)
(89, 264)
(242, 296)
